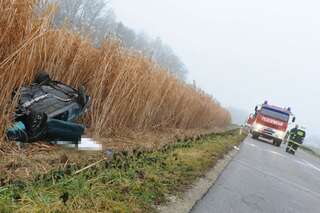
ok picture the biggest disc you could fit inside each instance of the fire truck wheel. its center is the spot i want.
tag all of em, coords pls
(277, 143)
(255, 135)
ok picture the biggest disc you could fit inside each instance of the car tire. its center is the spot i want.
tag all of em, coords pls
(82, 96)
(41, 78)
(36, 121)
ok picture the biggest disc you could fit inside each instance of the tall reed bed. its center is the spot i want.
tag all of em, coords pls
(128, 90)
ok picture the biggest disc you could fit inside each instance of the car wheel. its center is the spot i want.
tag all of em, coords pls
(35, 121)
(82, 96)
(276, 142)
(41, 78)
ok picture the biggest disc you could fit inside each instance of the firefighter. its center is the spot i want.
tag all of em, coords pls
(296, 137)
(294, 130)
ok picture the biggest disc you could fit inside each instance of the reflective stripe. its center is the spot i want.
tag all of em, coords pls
(295, 142)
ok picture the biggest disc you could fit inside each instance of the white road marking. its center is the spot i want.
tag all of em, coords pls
(317, 194)
(279, 154)
(265, 150)
(312, 166)
(300, 162)
(303, 163)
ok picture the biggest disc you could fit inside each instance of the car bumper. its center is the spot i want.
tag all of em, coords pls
(266, 135)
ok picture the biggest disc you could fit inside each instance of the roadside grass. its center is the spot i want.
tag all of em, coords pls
(311, 150)
(136, 182)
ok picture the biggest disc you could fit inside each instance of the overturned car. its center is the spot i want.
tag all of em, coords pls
(47, 111)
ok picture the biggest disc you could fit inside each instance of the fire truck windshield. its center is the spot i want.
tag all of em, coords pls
(273, 113)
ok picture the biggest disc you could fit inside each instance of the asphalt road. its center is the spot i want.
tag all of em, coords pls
(264, 178)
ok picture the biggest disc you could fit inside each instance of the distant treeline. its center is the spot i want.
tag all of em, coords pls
(96, 17)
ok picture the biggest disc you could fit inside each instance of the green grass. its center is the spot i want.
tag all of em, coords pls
(128, 183)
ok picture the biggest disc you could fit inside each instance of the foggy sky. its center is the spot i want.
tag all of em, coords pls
(241, 52)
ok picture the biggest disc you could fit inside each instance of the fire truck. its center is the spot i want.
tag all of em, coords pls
(270, 122)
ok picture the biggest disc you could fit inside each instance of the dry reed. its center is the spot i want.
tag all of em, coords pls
(128, 90)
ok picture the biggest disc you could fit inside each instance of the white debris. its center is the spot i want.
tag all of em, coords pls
(236, 148)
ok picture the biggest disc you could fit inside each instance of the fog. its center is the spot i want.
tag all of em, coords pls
(241, 52)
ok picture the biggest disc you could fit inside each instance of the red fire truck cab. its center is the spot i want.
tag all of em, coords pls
(270, 122)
